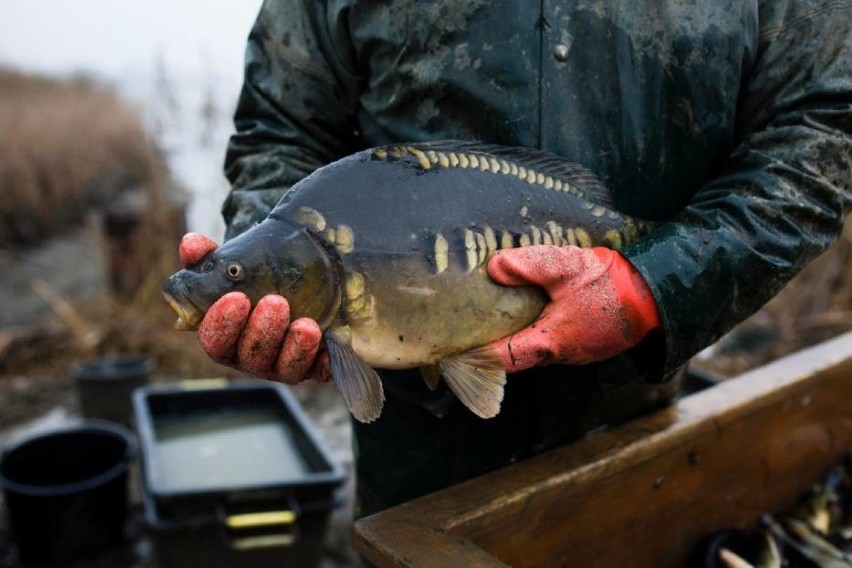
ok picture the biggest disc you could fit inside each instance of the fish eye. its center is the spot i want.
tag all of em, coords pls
(234, 271)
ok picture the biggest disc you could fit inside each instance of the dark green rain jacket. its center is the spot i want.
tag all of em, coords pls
(726, 121)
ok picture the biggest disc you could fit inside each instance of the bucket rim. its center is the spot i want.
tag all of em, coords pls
(104, 369)
(117, 431)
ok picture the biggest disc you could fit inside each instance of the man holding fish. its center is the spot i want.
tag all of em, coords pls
(723, 126)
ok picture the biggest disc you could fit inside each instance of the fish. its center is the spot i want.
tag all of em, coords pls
(387, 250)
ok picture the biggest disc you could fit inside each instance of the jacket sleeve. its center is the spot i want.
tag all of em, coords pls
(784, 193)
(297, 107)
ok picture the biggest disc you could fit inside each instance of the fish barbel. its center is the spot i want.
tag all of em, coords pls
(387, 250)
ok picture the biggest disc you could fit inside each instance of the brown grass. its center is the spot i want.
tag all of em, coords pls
(122, 328)
(65, 146)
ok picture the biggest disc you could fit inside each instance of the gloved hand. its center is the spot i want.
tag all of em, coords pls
(599, 305)
(260, 342)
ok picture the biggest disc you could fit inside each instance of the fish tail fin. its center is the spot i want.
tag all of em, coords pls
(358, 383)
(477, 378)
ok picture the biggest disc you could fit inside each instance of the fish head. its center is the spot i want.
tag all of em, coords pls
(270, 258)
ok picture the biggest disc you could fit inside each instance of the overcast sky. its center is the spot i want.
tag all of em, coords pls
(117, 37)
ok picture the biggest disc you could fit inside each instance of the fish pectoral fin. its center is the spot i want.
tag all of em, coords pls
(431, 376)
(477, 378)
(359, 383)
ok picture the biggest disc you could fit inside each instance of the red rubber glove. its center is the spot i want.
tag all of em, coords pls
(599, 305)
(260, 342)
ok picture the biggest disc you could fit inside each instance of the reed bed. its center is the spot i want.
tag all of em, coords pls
(67, 146)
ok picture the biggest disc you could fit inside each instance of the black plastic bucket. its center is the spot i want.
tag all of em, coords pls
(66, 491)
(105, 386)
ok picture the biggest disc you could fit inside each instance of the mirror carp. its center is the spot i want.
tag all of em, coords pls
(387, 250)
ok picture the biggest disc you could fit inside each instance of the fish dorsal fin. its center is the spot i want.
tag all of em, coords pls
(583, 182)
(431, 376)
(358, 383)
(477, 378)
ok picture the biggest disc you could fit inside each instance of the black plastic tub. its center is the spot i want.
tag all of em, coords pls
(66, 492)
(105, 386)
(233, 475)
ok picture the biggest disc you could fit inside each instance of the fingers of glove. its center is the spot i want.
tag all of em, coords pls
(298, 351)
(194, 247)
(542, 265)
(514, 267)
(561, 335)
(530, 347)
(263, 336)
(222, 326)
(560, 270)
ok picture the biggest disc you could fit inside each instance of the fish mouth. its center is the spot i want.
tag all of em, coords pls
(188, 315)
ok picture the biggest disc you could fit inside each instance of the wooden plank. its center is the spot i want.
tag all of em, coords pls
(409, 543)
(644, 493)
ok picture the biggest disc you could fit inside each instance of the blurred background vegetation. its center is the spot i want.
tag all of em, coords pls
(68, 146)
(85, 189)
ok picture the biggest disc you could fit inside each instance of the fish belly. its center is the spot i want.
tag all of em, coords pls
(413, 321)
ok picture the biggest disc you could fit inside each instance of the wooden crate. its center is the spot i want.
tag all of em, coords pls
(645, 493)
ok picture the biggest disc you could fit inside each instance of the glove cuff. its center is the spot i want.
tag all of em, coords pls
(640, 309)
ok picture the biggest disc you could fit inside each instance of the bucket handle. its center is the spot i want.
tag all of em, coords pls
(261, 519)
(260, 529)
(204, 384)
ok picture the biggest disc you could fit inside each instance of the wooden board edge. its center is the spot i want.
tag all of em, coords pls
(432, 518)
(402, 545)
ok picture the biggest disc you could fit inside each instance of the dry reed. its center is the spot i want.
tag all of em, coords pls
(66, 146)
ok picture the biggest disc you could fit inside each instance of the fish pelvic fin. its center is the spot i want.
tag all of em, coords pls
(358, 383)
(431, 376)
(477, 378)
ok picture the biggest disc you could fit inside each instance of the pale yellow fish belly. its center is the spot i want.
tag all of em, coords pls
(422, 321)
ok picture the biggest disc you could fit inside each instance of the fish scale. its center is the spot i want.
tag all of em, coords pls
(521, 204)
(387, 249)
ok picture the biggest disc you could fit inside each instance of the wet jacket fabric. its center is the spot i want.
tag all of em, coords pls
(727, 122)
